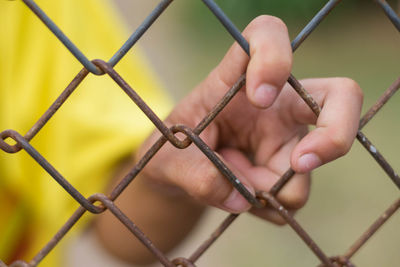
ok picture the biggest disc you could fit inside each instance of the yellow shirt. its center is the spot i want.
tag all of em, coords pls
(97, 126)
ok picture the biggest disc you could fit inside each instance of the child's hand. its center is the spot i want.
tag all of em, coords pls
(263, 130)
(259, 135)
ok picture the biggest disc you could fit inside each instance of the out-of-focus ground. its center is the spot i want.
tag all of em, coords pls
(348, 194)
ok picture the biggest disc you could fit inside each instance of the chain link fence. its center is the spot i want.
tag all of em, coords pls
(99, 202)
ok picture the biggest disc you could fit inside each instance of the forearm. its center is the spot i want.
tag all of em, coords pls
(165, 217)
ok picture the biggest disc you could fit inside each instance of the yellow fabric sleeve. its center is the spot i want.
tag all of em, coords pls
(95, 128)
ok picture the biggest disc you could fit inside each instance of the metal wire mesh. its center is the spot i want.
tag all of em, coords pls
(100, 67)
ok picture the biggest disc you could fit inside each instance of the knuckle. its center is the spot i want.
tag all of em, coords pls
(276, 67)
(357, 91)
(296, 200)
(352, 87)
(270, 21)
(339, 143)
(296, 195)
(281, 64)
(347, 82)
(205, 182)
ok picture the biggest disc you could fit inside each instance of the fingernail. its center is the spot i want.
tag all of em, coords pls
(265, 95)
(308, 162)
(236, 203)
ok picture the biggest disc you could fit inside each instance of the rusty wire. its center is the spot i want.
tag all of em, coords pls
(100, 67)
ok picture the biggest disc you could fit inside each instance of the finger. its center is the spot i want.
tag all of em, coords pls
(271, 60)
(269, 67)
(191, 171)
(264, 176)
(293, 195)
(336, 126)
(260, 177)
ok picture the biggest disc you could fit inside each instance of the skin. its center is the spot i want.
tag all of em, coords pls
(259, 134)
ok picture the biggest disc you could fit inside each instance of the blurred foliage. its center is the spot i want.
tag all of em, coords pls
(243, 11)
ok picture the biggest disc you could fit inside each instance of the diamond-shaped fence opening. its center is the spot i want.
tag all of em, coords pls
(99, 202)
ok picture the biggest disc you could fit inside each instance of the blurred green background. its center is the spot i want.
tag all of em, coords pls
(356, 40)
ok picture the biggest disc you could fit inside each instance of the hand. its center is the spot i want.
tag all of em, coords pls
(262, 131)
(258, 135)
